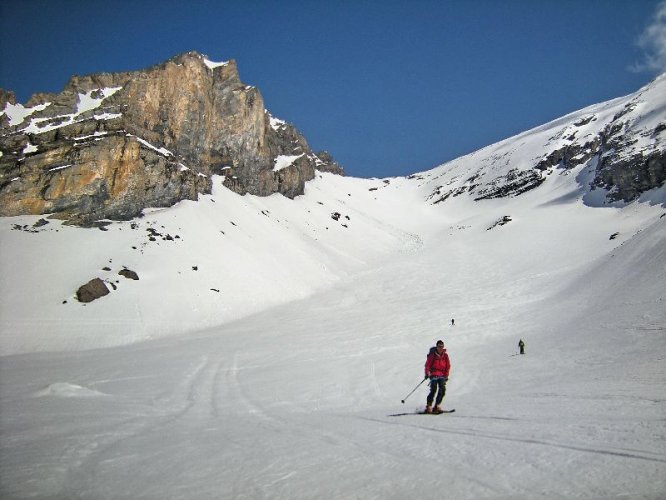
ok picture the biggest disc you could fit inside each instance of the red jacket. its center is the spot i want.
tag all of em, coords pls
(437, 365)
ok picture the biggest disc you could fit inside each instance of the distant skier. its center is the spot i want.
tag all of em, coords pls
(521, 346)
(437, 368)
(453, 322)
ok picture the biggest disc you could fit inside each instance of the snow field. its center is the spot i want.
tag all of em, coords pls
(296, 400)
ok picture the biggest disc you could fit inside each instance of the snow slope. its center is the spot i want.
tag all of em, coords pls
(264, 352)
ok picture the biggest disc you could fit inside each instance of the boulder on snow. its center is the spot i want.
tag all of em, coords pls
(92, 290)
(130, 275)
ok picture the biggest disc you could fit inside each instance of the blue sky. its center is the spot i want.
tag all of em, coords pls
(388, 87)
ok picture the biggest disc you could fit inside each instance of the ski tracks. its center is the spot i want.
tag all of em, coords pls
(413, 456)
(638, 454)
(310, 433)
(193, 398)
(240, 394)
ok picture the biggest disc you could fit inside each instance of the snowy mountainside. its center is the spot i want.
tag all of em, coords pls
(199, 264)
(621, 142)
(297, 327)
(226, 256)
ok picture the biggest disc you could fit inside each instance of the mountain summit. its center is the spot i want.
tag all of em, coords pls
(111, 144)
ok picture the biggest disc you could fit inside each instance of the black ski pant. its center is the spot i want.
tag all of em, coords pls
(437, 386)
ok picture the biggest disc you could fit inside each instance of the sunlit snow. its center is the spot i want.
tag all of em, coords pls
(284, 161)
(17, 112)
(162, 151)
(86, 102)
(276, 123)
(213, 65)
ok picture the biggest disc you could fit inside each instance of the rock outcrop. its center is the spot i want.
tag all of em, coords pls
(514, 183)
(626, 163)
(628, 150)
(626, 171)
(111, 144)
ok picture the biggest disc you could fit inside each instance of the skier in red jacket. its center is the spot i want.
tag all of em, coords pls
(437, 368)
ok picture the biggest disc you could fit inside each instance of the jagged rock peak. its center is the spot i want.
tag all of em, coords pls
(111, 144)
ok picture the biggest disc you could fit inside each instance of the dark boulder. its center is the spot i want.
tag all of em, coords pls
(92, 290)
(130, 275)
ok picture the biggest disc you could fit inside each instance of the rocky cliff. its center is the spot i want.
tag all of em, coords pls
(111, 144)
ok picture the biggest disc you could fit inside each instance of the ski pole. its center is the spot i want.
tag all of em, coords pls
(403, 400)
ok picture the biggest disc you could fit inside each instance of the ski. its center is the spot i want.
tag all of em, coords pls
(436, 412)
(420, 413)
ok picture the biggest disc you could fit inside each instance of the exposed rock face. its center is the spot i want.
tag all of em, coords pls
(627, 171)
(630, 158)
(514, 183)
(623, 169)
(110, 145)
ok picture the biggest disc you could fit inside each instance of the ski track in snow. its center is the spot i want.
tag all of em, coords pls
(635, 454)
